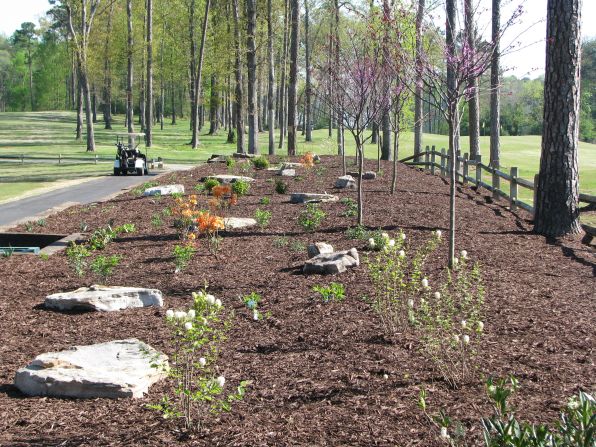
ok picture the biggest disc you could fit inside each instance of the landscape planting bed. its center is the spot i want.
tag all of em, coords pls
(317, 370)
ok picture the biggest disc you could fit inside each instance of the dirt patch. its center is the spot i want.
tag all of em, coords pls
(317, 369)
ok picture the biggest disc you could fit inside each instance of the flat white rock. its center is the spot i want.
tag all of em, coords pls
(287, 172)
(104, 298)
(332, 263)
(319, 248)
(306, 197)
(164, 190)
(290, 165)
(345, 182)
(120, 368)
(233, 223)
(225, 178)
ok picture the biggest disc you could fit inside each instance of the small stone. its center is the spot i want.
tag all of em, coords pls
(224, 178)
(345, 182)
(234, 223)
(332, 263)
(104, 298)
(217, 159)
(120, 368)
(287, 172)
(291, 165)
(369, 175)
(316, 158)
(164, 190)
(319, 248)
(304, 197)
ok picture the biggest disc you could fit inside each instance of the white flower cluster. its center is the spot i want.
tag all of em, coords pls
(210, 299)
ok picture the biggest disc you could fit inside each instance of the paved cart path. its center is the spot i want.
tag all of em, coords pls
(103, 188)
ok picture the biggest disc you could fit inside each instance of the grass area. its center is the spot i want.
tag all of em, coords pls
(52, 133)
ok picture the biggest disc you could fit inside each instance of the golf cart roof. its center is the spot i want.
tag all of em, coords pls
(133, 134)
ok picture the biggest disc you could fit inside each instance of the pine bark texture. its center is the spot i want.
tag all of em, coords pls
(149, 90)
(557, 207)
(253, 110)
(474, 99)
(239, 117)
(292, 87)
(308, 87)
(271, 81)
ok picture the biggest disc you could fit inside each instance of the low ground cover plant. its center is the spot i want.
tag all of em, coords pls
(240, 187)
(263, 217)
(77, 255)
(311, 218)
(252, 301)
(103, 266)
(198, 391)
(351, 207)
(281, 187)
(332, 292)
(260, 162)
(183, 253)
(210, 183)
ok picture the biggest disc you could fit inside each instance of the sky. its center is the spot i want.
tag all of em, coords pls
(530, 33)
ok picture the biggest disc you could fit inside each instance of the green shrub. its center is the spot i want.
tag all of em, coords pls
(310, 219)
(182, 255)
(260, 163)
(210, 183)
(77, 257)
(358, 232)
(230, 162)
(265, 201)
(240, 187)
(351, 207)
(333, 292)
(280, 186)
(281, 241)
(252, 301)
(262, 217)
(103, 266)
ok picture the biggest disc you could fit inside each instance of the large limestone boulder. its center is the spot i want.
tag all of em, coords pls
(345, 182)
(319, 248)
(368, 175)
(225, 178)
(104, 298)
(287, 172)
(217, 159)
(164, 190)
(234, 223)
(306, 197)
(120, 368)
(332, 263)
(290, 165)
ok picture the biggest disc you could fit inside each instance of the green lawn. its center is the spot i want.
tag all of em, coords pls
(51, 133)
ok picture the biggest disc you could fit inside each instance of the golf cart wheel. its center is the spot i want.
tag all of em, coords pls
(116, 171)
(139, 171)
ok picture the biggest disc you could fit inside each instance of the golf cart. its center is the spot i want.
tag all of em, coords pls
(129, 159)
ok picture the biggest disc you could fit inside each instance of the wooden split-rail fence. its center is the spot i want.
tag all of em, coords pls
(438, 162)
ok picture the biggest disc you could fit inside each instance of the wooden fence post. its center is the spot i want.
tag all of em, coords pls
(432, 161)
(443, 162)
(456, 165)
(465, 179)
(496, 184)
(513, 189)
(478, 171)
(59, 158)
(426, 158)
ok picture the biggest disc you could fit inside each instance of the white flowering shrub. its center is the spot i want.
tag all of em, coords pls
(198, 389)
(450, 321)
(398, 280)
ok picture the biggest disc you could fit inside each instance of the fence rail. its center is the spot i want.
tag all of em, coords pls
(462, 169)
(59, 158)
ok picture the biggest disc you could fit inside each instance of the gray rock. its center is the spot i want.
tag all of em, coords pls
(164, 190)
(233, 223)
(287, 172)
(290, 165)
(332, 263)
(345, 182)
(243, 155)
(225, 178)
(305, 197)
(316, 158)
(104, 298)
(120, 368)
(319, 248)
(217, 159)
(368, 175)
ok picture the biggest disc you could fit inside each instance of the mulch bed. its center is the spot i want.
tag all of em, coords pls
(317, 370)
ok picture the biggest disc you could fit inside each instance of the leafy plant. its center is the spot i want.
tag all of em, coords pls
(280, 186)
(310, 219)
(198, 391)
(101, 237)
(260, 162)
(199, 187)
(358, 232)
(141, 189)
(333, 292)
(183, 253)
(41, 222)
(210, 183)
(44, 256)
(379, 240)
(230, 162)
(209, 225)
(125, 228)
(240, 187)
(7, 252)
(351, 207)
(265, 201)
(77, 257)
(281, 241)
(262, 217)
(297, 247)
(156, 220)
(252, 301)
(29, 227)
(103, 266)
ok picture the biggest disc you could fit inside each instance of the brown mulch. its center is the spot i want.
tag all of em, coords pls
(316, 369)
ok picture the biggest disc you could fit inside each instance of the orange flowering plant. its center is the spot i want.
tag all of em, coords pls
(223, 199)
(308, 159)
(209, 224)
(185, 212)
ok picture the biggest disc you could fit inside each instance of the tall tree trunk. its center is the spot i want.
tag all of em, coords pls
(293, 77)
(94, 104)
(79, 102)
(495, 87)
(129, 73)
(418, 115)
(386, 152)
(253, 125)
(198, 76)
(308, 87)
(142, 105)
(88, 112)
(474, 99)
(30, 64)
(149, 107)
(162, 85)
(239, 117)
(283, 88)
(261, 99)
(340, 117)
(453, 116)
(213, 105)
(107, 83)
(271, 80)
(375, 133)
(557, 197)
(192, 63)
